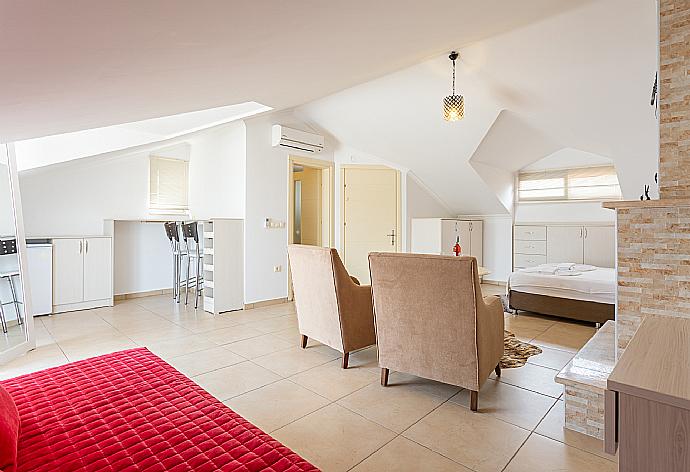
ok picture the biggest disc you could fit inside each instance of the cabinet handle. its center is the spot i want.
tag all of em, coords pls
(86, 245)
(580, 232)
(80, 246)
(585, 232)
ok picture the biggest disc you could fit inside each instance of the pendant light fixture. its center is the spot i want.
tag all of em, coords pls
(453, 105)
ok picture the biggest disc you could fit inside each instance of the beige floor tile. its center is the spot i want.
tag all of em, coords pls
(475, 440)
(332, 381)
(91, 347)
(403, 455)
(365, 358)
(553, 424)
(292, 361)
(492, 289)
(333, 438)
(258, 346)
(40, 358)
(179, 346)
(546, 455)
(408, 381)
(551, 358)
(276, 405)
(235, 380)
(565, 336)
(273, 325)
(279, 309)
(158, 335)
(528, 321)
(397, 407)
(232, 334)
(290, 335)
(203, 325)
(250, 316)
(509, 403)
(200, 362)
(533, 377)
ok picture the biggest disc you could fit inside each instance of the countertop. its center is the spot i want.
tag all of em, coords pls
(656, 363)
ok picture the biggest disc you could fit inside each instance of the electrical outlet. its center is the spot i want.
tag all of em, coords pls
(277, 268)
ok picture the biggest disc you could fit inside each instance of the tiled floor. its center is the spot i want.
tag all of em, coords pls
(343, 419)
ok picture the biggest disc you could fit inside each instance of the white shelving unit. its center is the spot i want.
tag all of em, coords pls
(223, 265)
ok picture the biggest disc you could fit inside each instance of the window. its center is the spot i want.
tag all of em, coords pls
(168, 185)
(581, 183)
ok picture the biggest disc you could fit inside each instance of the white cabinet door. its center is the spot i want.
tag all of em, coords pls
(450, 230)
(564, 244)
(476, 240)
(68, 271)
(600, 246)
(98, 271)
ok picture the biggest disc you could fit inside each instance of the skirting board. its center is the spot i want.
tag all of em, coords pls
(150, 293)
(275, 301)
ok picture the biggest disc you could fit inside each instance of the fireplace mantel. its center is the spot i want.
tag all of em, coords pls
(663, 203)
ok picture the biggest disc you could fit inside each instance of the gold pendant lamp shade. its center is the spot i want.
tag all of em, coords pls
(453, 105)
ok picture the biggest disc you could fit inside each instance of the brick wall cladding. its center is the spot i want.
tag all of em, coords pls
(653, 266)
(674, 103)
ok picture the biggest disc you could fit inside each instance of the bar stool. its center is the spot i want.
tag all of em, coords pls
(9, 247)
(190, 231)
(178, 253)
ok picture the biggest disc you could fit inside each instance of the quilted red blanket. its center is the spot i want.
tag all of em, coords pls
(130, 410)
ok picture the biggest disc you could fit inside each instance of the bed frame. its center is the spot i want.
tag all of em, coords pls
(565, 307)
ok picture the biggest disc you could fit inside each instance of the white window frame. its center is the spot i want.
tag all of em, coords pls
(170, 204)
(567, 174)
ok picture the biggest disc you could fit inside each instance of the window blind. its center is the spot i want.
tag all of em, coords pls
(168, 184)
(580, 183)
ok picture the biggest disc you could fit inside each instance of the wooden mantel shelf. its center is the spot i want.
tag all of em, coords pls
(665, 203)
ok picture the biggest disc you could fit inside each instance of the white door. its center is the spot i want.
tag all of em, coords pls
(68, 271)
(98, 272)
(370, 217)
(600, 246)
(476, 240)
(564, 244)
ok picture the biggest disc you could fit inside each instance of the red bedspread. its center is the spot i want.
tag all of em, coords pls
(132, 411)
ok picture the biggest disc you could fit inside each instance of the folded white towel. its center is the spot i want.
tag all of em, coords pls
(584, 267)
(565, 266)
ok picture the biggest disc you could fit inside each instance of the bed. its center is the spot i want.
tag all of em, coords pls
(589, 296)
(128, 411)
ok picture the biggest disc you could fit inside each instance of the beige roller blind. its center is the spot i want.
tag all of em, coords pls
(168, 184)
(581, 183)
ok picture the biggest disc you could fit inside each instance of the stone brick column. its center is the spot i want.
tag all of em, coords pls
(674, 103)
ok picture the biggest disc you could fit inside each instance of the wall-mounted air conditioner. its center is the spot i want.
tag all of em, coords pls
(296, 139)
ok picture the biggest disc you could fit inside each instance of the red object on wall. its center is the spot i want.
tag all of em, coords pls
(131, 411)
(457, 249)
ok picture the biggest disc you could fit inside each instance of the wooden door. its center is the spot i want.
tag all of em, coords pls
(68, 271)
(371, 221)
(600, 246)
(98, 271)
(564, 244)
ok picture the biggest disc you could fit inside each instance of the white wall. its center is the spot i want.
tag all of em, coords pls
(75, 197)
(267, 197)
(420, 204)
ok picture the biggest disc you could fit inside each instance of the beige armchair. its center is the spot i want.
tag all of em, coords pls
(332, 307)
(432, 321)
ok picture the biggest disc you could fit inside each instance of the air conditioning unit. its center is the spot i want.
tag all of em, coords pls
(296, 139)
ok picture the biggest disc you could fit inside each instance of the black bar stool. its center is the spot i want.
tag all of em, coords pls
(190, 231)
(9, 247)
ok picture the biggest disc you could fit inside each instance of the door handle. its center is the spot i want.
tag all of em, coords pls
(392, 236)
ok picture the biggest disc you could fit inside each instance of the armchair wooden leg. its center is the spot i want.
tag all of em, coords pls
(498, 370)
(384, 377)
(346, 358)
(473, 400)
(303, 341)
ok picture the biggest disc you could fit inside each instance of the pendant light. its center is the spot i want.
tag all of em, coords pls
(453, 105)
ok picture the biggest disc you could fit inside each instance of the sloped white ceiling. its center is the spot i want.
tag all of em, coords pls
(581, 79)
(71, 65)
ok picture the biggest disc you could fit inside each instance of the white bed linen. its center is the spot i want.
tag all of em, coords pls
(592, 286)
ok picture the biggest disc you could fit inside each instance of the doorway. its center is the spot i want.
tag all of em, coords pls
(371, 215)
(311, 204)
